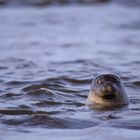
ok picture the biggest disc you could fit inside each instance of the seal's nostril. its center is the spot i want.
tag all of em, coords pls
(109, 96)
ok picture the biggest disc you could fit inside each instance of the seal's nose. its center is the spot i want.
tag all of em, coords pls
(108, 87)
(109, 93)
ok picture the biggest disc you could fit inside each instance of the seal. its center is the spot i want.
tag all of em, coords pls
(107, 90)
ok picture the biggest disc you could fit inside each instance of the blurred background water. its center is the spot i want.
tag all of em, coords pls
(50, 52)
(61, 2)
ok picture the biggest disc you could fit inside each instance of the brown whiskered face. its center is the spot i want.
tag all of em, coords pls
(107, 90)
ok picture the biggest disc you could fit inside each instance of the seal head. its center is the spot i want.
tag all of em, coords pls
(107, 90)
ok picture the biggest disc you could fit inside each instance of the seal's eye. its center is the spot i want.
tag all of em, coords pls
(100, 81)
(114, 80)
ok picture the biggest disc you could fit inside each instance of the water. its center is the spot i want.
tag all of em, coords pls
(48, 59)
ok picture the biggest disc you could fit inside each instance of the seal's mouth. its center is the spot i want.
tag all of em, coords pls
(109, 96)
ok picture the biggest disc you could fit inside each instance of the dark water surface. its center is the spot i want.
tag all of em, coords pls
(48, 59)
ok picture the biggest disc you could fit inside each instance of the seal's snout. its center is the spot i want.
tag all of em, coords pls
(108, 92)
(108, 88)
